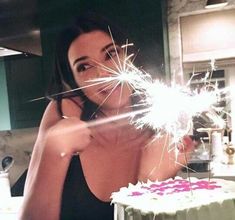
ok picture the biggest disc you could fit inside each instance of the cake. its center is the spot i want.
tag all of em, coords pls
(176, 199)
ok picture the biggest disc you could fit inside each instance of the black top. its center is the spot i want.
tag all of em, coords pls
(78, 202)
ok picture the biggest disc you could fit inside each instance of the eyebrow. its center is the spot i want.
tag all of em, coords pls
(108, 45)
(79, 59)
(86, 57)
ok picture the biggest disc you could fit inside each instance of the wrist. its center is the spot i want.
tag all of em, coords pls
(58, 147)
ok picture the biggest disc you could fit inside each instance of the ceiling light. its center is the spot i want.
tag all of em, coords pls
(215, 3)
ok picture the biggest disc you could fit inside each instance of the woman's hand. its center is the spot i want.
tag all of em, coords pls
(69, 136)
(186, 144)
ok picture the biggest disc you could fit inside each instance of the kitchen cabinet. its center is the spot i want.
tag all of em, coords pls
(25, 81)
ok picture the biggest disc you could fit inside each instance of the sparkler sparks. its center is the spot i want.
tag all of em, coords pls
(171, 109)
(168, 109)
(164, 109)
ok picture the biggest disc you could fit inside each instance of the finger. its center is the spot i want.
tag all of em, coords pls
(65, 117)
(185, 145)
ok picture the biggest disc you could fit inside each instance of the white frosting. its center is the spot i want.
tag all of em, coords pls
(159, 199)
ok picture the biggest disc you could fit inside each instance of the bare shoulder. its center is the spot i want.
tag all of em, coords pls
(72, 107)
(50, 116)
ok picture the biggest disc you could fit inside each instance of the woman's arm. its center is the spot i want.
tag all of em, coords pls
(159, 160)
(57, 141)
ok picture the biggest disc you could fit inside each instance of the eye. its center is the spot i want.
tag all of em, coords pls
(112, 53)
(83, 67)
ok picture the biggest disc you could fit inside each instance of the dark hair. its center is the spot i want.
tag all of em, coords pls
(63, 83)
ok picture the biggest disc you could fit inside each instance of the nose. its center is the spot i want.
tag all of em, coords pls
(104, 71)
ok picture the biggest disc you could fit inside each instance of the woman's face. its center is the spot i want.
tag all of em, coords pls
(88, 54)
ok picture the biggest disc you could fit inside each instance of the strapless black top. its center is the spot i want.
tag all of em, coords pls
(78, 202)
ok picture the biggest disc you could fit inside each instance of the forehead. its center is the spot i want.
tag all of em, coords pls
(88, 42)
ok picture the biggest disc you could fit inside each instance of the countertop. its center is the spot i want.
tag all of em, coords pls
(218, 170)
(9, 207)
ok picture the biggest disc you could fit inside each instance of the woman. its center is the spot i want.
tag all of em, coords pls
(75, 166)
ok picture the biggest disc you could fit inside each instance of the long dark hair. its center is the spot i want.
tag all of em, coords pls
(63, 83)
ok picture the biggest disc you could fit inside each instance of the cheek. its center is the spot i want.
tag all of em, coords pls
(92, 95)
(88, 88)
(82, 79)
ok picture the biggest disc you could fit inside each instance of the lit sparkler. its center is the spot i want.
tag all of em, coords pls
(165, 109)
(168, 109)
(171, 109)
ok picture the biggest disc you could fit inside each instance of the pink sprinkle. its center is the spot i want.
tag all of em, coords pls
(136, 193)
(176, 186)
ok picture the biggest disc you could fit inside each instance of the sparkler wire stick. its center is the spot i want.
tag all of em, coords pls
(111, 119)
(164, 109)
(102, 121)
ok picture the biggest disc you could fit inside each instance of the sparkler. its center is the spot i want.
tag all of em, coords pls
(168, 109)
(171, 109)
(164, 109)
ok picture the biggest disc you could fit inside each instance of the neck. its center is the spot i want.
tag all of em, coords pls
(113, 116)
(115, 112)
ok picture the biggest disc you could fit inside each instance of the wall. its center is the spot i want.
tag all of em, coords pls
(18, 144)
(175, 9)
(4, 110)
